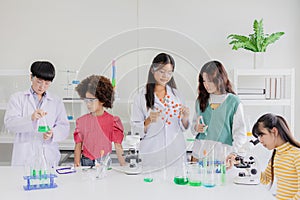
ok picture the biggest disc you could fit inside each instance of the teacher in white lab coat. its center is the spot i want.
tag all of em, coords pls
(25, 111)
(160, 117)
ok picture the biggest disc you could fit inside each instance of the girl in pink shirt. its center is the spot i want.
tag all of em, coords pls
(95, 131)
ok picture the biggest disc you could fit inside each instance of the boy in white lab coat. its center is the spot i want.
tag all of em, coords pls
(26, 109)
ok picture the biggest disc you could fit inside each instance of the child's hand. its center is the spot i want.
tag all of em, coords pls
(199, 127)
(48, 135)
(230, 161)
(37, 114)
(76, 164)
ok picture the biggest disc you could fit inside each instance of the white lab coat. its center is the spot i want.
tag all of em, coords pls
(162, 144)
(17, 119)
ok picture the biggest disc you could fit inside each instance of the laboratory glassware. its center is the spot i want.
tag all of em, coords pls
(180, 177)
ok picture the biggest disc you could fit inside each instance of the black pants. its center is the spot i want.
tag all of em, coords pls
(85, 161)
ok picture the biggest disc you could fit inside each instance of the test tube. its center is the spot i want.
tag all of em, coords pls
(223, 167)
(202, 122)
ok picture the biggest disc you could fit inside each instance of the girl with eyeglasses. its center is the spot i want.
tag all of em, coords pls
(95, 131)
(160, 117)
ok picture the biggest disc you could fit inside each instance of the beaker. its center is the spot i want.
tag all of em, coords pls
(209, 170)
(195, 174)
(42, 125)
(148, 175)
(148, 172)
(102, 164)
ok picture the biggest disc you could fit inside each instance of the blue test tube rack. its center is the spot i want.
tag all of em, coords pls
(49, 178)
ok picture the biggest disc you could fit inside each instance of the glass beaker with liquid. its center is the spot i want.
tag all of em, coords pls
(195, 173)
(209, 170)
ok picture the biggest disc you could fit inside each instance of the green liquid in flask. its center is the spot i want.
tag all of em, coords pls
(148, 180)
(43, 129)
(181, 180)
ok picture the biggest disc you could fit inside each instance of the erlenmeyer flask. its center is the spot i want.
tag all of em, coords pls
(180, 177)
(42, 125)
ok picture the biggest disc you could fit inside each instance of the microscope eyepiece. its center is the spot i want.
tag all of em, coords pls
(255, 142)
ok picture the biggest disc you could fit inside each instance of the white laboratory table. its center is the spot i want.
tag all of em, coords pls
(117, 185)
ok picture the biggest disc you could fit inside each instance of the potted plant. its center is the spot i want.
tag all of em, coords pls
(255, 42)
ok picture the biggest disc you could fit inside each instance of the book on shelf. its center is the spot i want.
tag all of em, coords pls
(251, 91)
(273, 87)
(278, 88)
(268, 87)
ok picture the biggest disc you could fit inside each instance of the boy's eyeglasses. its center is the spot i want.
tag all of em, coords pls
(90, 100)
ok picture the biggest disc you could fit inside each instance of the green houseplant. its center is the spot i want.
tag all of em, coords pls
(256, 42)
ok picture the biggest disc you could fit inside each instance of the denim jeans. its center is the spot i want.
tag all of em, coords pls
(85, 161)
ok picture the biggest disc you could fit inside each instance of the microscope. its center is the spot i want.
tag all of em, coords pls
(248, 173)
(133, 158)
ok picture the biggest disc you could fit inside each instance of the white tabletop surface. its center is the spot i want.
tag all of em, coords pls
(117, 185)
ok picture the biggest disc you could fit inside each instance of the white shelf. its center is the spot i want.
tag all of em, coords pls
(264, 72)
(287, 99)
(14, 72)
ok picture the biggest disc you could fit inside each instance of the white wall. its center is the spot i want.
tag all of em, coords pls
(87, 35)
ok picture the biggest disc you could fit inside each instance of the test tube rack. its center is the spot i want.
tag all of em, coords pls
(44, 181)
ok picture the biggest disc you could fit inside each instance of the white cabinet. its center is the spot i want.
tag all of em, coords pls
(283, 104)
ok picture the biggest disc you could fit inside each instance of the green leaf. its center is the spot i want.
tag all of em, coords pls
(271, 39)
(240, 41)
(257, 41)
(258, 33)
(240, 38)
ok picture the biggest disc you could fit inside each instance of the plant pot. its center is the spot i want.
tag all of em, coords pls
(258, 60)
